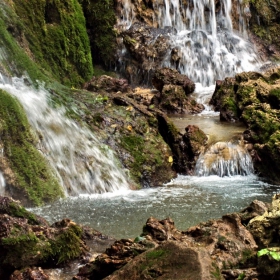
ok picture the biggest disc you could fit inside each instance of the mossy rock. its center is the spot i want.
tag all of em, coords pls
(55, 37)
(100, 20)
(27, 173)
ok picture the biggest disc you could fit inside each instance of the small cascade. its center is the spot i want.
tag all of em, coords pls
(224, 159)
(83, 165)
(203, 37)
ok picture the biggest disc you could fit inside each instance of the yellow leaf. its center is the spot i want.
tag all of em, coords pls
(129, 127)
(170, 159)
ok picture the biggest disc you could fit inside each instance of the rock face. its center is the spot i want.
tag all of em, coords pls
(264, 24)
(174, 90)
(254, 99)
(147, 47)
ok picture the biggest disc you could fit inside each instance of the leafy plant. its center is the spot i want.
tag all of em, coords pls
(273, 252)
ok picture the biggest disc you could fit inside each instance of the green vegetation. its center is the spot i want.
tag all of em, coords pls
(32, 175)
(55, 37)
(100, 20)
(25, 248)
(273, 252)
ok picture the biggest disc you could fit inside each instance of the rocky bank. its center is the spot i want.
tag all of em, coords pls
(242, 245)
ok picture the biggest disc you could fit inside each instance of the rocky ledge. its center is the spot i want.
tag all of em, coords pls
(254, 98)
(242, 245)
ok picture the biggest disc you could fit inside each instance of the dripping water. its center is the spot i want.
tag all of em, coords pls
(81, 162)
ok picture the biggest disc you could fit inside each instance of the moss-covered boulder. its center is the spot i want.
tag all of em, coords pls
(254, 99)
(27, 240)
(27, 173)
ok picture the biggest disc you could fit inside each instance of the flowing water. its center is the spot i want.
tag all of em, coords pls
(202, 34)
(81, 162)
(188, 200)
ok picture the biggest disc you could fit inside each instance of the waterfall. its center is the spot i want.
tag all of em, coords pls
(202, 33)
(81, 162)
(224, 159)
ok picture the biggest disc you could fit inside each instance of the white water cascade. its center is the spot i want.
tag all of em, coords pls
(224, 159)
(82, 164)
(203, 36)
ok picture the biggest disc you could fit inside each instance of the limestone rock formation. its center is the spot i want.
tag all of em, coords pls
(254, 99)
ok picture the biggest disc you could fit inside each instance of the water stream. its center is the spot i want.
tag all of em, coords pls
(81, 162)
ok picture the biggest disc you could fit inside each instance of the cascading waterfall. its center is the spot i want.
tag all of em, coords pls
(209, 49)
(224, 159)
(203, 36)
(81, 162)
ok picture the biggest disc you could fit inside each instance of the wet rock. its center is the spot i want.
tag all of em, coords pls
(168, 76)
(107, 83)
(33, 273)
(253, 98)
(185, 148)
(147, 47)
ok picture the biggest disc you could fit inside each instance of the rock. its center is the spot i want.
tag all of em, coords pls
(265, 228)
(254, 99)
(115, 257)
(168, 76)
(185, 148)
(256, 208)
(174, 90)
(107, 83)
(26, 240)
(33, 273)
(170, 260)
(146, 47)
(226, 239)
(164, 252)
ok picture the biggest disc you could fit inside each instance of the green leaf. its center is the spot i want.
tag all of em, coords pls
(275, 255)
(263, 252)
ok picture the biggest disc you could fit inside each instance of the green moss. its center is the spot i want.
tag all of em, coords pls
(67, 245)
(155, 254)
(16, 210)
(32, 174)
(14, 61)
(100, 20)
(56, 35)
(26, 248)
